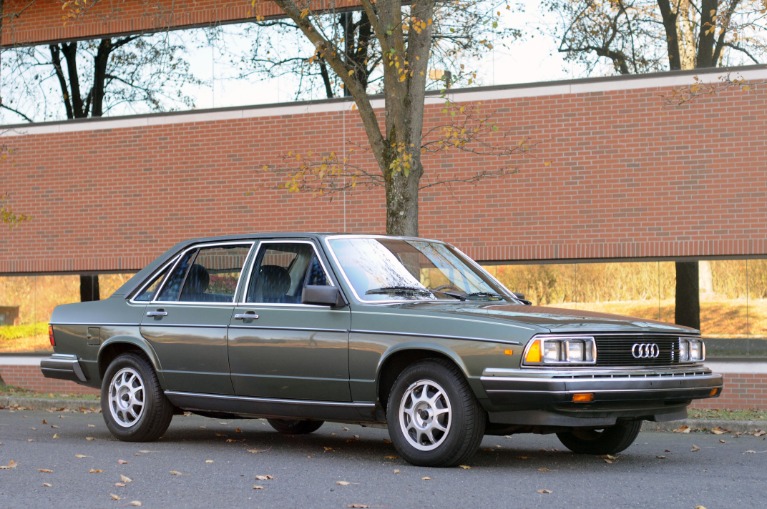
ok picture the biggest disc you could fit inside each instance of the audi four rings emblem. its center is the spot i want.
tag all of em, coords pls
(645, 351)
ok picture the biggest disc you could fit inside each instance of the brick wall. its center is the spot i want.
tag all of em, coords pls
(613, 171)
(30, 377)
(29, 22)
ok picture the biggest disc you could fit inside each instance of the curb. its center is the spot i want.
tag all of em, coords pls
(694, 425)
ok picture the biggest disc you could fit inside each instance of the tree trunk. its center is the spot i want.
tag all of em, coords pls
(687, 309)
(89, 287)
(402, 204)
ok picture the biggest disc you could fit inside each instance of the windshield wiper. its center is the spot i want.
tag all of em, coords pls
(485, 295)
(399, 289)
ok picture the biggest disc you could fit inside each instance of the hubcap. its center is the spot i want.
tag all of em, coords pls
(126, 397)
(425, 415)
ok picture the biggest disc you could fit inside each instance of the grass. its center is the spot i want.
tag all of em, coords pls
(24, 338)
(18, 392)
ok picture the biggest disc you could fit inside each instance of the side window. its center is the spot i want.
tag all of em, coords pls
(149, 292)
(281, 272)
(208, 274)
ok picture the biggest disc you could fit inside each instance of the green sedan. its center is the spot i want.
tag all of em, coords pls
(302, 328)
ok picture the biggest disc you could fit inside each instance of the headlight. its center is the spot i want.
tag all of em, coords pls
(691, 350)
(560, 350)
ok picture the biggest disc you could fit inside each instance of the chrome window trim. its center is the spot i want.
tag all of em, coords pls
(252, 265)
(175, 260)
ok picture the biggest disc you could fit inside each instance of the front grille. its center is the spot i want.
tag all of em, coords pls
(615, 350)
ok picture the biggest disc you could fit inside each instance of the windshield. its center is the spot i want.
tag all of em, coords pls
(410, 269)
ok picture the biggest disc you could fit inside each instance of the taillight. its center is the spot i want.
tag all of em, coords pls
(50, 335)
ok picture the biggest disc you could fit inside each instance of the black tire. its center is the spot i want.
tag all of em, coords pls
(611, 440)
(134, 406)
(433, 417)
(295, 426)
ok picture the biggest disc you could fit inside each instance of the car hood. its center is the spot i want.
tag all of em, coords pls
(547, 319)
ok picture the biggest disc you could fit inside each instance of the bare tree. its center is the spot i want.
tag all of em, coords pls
(92, 78)
(462, 32)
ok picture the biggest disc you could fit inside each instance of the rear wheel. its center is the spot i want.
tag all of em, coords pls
(611, 440)
(134, 406)
(295, 426)
(433, 417)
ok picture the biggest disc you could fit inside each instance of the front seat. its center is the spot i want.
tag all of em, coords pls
(274, 282)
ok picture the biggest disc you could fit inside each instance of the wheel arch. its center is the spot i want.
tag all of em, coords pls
(116, 346)
(397, 360)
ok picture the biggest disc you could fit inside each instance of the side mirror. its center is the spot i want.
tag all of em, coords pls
(322, 295)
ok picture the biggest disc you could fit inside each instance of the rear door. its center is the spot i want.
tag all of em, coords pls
(188, 314)
(283, 349)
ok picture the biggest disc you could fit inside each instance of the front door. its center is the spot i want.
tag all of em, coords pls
(280, 348)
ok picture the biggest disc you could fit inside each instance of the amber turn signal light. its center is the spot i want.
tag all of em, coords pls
(583, 397)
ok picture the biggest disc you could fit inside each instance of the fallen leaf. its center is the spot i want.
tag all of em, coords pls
(544, 470)
(328, 449)
(47, 485)
(465, 467)
(55, 436)
(609, 459)
(391, 457)
(343, 483)
(358, 506)
(120, 484)
(125, 479)
(257, 487)
(719, 431)
(95, 471)
(208, 462)
(544, 492)
(396, 470)
(256, 451)
(175, 472)
(426, 478)
(114, 497)
(695, 448)
(682, 429)
(45, 470)
(44, 422)
(11, 464)
(266, 477)
(759, 433)
(700, 507)
(660, 457)
(91, 439)
(721, 441)
(136, 503)
(122, 462)
(81, 456)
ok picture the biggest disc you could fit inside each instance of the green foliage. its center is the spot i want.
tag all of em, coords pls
(12, 332)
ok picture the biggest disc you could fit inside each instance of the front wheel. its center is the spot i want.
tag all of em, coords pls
(610, 440)
(433, 417)
(134, 406)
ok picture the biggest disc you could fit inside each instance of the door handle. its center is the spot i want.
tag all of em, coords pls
(250, 315)
(157, 314)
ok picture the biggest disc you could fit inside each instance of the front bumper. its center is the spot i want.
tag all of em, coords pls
(64, 367)
(545, 397)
